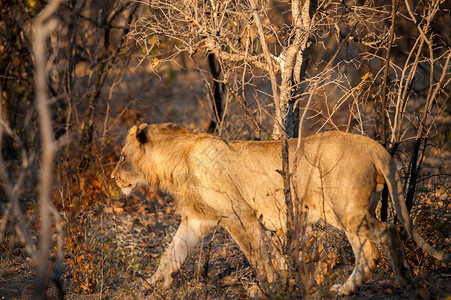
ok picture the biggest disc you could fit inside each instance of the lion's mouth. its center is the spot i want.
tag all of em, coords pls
(127, 189)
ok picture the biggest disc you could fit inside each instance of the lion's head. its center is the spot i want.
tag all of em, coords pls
(150, 157)
(128, 173)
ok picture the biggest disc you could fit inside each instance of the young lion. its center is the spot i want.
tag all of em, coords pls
(339, 177)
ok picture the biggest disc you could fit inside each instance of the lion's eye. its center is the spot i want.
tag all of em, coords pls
(122, 158)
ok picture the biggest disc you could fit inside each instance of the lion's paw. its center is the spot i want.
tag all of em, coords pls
(152, 282)
(340, 289)
(166, 285)
(254, 292)
(335, 288)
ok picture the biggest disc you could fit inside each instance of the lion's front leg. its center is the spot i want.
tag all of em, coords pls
(190, 231)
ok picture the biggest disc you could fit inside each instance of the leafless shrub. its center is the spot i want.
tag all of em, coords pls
(363, 74)
(54, 69)
(377, 68)
(43, 26)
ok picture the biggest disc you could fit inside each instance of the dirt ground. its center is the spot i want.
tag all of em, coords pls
(143, 227)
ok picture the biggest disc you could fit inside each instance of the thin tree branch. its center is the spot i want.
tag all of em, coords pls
(386, 71)
(278, 122)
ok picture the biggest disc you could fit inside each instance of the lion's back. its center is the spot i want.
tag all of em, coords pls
(336, 145)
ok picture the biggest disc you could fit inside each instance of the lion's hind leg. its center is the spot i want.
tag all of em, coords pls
(387, 237)
(366, 258)
(362, 237)
(247, 232)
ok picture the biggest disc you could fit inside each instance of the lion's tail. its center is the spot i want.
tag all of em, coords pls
(390, 174)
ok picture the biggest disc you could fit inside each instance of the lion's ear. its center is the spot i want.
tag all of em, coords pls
(141, 134)
(133, 131)
(143, 126)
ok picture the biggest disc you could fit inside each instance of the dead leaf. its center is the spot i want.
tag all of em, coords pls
(100, 186)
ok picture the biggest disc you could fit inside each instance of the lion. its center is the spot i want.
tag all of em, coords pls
(237, 184)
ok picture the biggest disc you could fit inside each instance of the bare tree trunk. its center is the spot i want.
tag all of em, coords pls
(43, 26)
(217, 96)
(295, 64)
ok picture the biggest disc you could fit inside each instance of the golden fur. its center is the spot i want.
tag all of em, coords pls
(339, 176)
